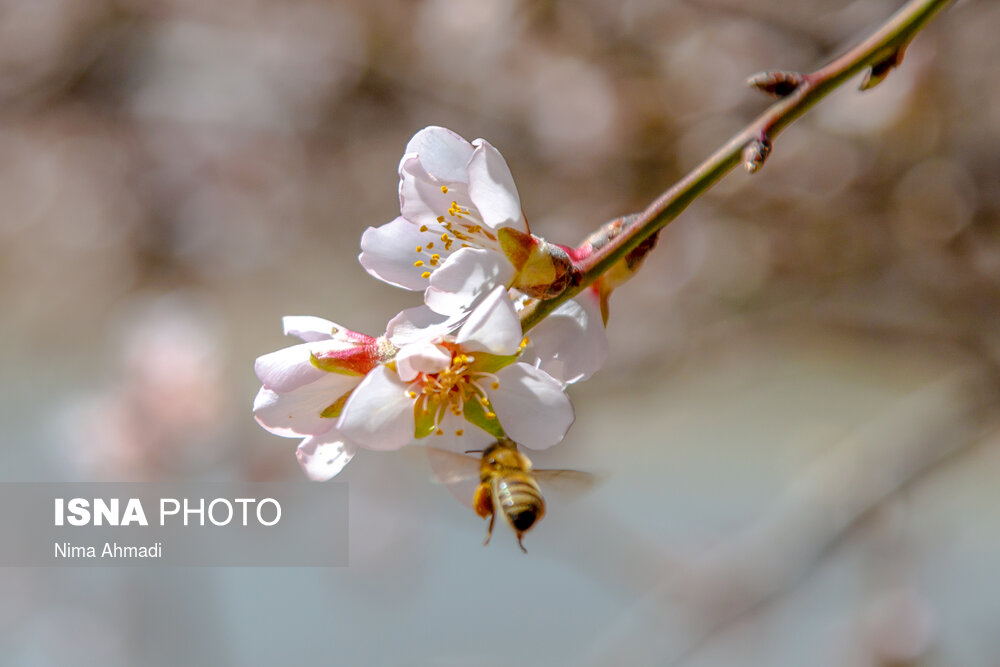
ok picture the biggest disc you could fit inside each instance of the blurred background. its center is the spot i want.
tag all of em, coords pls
(797, 425)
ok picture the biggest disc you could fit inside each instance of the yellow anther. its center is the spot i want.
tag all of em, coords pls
(419, 262)
(411, 394)
(495, 385)
(425, 275)
(440, 218)
(430, 246)
(435, 257)
(444, 189)
(459, 432)
(444, 237)
(423, 228)
(420, 248)
(439, 432)
(491, 415)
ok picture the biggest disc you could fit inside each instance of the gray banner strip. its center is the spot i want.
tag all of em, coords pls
(162, 524)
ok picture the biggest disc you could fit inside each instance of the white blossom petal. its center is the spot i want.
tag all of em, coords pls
(389, 253)
(298, 412)
(443, 153)
(379, 414)
(323, 456)
(570, 344)
(451, 425)
(421, 357)
(287, 369)
(309, 328)
(420, 323)
(493, 326)
(492, 189)
(531, 406)
(423, 198)
(465, 278)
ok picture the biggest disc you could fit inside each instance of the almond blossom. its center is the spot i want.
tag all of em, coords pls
(306, 386)
(465, 389)
(341, 390)
(452, 194)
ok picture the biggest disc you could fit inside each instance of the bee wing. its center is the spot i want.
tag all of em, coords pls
(458, 472)
(568, 483)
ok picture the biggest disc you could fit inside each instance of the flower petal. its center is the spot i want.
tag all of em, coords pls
(389, 253)
(465, 278)
(472, 437)
(379, 414)
(298, 412)
(287, 369)
(423, 197)
(421, 357)
(323, 456)
(420, 323)
(493, 326)
(531, 406)
(309, 328)
(492, 189)
(443, 153)
(570, 344)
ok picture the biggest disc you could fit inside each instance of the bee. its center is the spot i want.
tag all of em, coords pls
(507, 484)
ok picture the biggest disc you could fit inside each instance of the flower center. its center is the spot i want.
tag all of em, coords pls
(459, 225)
(450, 390)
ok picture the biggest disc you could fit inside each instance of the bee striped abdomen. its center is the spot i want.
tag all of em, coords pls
(520, 500)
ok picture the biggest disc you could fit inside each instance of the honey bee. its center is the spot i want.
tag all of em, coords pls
(507, 484)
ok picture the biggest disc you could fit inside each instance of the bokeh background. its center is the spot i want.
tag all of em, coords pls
(797, 426)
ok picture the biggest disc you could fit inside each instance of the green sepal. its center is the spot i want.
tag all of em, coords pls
(424, 412)
(333, 410)
(484, 362)
(516, 245)
(539, 269)
(475, 413)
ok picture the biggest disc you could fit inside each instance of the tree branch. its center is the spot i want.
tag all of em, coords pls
(880, 53)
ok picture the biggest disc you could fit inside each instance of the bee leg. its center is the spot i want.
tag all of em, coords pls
(519, 535)
(489, 530)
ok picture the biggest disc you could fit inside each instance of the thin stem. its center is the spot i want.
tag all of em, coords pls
(880, 52)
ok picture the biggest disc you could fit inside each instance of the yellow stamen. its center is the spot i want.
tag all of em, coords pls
(419, 262)
(459, 432)
(444, 189)
(423, 228)
(425, 275)
(495, 385)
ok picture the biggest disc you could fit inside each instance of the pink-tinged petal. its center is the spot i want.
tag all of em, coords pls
(309, 328)
(472, 437)
(423, 197)
(444, 154)
(420, 323)
(421, 357)
(298, 412)
(389, 253)
(287, 369)
(379, 414)
(531, 406)
(465, 278)
(323, 456)
(570, 344)
(492, 190)
(493, 326)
